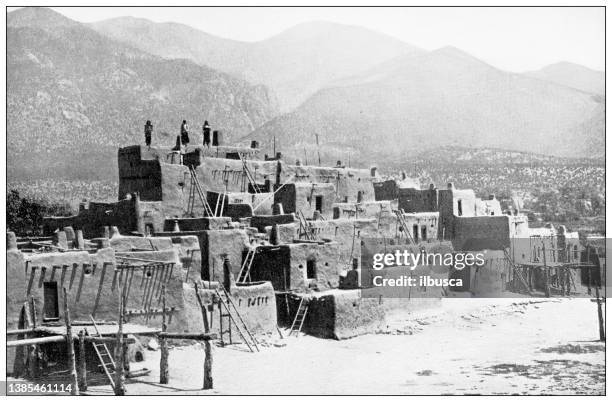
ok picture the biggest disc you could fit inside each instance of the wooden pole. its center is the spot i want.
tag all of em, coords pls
(602, 332)
(119, 353)
(70, 343)
(33, 308)
(163, 343)
(546, 279)
(208, 359)
(82, 363)
(318, 151)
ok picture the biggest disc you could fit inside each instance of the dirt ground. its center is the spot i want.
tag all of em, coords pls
(468, 346)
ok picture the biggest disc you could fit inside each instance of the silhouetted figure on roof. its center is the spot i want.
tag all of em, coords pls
(206, 133)
(148, 130)
(178, 145)
(184, 133)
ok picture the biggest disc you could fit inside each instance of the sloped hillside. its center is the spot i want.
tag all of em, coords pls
(74, 96)
(445, 97)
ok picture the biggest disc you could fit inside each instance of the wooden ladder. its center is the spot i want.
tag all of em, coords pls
(197, 188)
(248, 174)
(106, 359)
(245, 269)
(300, 317)
(517, 272)
(220, 200)
(400, 218)
(304, 226)
(232, 311)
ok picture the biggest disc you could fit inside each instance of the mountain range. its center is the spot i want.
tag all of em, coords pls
(441, 98)
(74, 96)
(368, 97)
(293, 64)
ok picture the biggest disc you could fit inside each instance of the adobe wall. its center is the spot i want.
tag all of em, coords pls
(414, 200)
(262, 221)
(341, 314)
(385, 190)
(222, 175)
(424, 223)
(197, 153)
(305, 199)
(99, 279)
(347, 233)
(215, 244)
(373, 246)
(139, 172)
(366, 209)
(491, 279)
(348, 181)
(256, 304)
(259, 203)
(496, 228)
(92, 218)
(488, 207)
(195, 224)
(138, 243)
(272, 264)
(327, 261)
(15, 279)
(448, 207)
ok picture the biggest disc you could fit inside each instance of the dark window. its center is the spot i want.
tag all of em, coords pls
(311, 269)
(149, 229)
(51, 304)
(424, 232)
(319, 203)
(459, 208)
(415, 232)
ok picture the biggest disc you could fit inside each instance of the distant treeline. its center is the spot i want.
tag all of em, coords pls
(24, 213)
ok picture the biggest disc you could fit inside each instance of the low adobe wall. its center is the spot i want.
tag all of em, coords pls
(341, 314)
(256, 304)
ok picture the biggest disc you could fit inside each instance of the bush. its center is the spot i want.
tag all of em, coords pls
(24, 214)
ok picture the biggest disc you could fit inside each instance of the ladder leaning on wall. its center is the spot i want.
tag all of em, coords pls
(236, 319)
(399, 213)
(300, 317)
(245, 269)
(194, 188)
(248, 174)
(104, 356)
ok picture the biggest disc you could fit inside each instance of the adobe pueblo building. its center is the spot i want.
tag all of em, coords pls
(281, 243)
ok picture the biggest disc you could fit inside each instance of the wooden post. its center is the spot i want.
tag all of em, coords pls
(70, 343)
(208, 359)
(602, 332)
(82, 363)
(119, 353)
(546, 279)
(33, 361)
(33, 308)
(220, 322)
(163, 343)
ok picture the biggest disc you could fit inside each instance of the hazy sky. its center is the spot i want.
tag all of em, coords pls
(515, 39)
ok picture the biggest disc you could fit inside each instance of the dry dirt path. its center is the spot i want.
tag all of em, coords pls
(468, 346)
